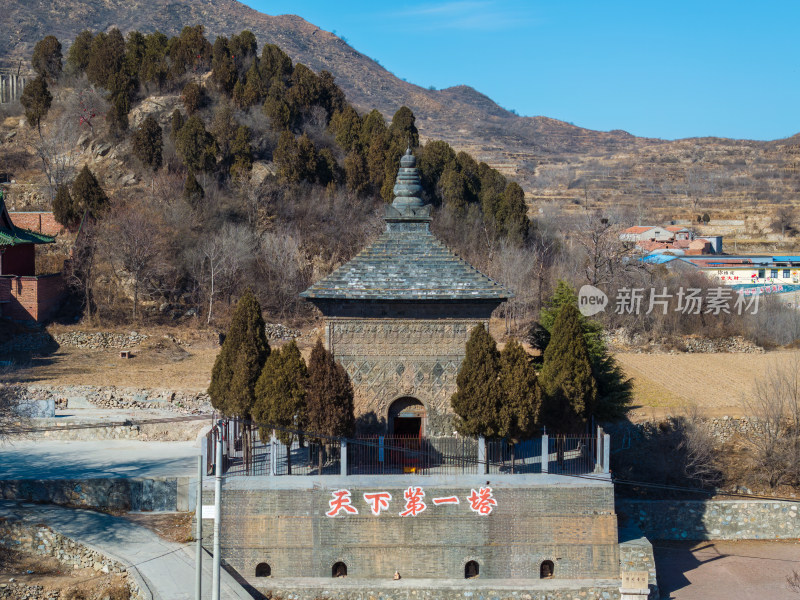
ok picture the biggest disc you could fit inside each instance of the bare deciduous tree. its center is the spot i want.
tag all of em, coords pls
(133, 240)
(700, 462)
(604, 251)
(284, 270)
(219, 261)
(774, 408)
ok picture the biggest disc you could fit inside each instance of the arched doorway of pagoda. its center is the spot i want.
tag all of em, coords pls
(407, 417)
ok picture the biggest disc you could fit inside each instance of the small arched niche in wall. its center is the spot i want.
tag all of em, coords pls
(471, 569)
(546, 569)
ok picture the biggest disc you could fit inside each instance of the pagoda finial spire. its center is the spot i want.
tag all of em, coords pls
(408, 185)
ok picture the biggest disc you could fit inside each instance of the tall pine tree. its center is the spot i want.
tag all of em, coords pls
(240, 361)
(478, 397)
(569, 387)
(280, 396)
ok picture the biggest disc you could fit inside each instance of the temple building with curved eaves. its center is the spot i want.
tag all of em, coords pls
(398, 316)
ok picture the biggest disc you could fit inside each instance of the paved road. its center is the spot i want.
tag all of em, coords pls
(166, 568)
(57, 459)
(737, 570)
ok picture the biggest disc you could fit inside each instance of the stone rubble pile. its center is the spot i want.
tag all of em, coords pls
(42, 540)
(89, 396)
(277, 331)
(100, 339)
(23, 591)
(622, 340)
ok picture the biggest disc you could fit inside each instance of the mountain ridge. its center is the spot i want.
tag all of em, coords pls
(552, 160)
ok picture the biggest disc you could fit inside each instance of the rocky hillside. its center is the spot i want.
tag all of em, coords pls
(555, 162)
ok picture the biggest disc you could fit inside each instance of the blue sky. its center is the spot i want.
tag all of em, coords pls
(659, 69)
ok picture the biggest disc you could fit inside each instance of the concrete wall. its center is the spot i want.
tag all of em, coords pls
(713, 519)
(150, 494)
(282, 521)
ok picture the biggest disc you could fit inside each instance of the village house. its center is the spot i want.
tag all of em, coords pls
(672, 239)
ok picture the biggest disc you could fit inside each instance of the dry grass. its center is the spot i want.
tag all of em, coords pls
(666, 383)
(173, 527)
(157, 363)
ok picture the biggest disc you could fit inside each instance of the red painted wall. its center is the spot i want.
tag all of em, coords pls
(18, 260)
(40, 222)
(33, 298)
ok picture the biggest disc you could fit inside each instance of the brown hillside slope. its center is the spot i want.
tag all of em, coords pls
(555, 162)
(365, 82)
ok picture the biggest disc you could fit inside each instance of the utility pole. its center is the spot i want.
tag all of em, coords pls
(198, 511)
(217, 514)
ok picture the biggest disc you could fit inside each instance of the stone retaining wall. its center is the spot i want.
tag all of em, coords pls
(636, 554)
(42, 540)
(712, 519)
(143, 431)
(460, 590)
(168, 494)
(722, 429)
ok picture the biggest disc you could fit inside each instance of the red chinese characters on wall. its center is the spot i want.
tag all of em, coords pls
(341, 502)
(378, 501)
(481, 502)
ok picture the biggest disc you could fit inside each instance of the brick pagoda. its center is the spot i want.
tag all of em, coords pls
(398, 316)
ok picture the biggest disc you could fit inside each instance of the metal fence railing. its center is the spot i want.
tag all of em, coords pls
(248, 450)
(379, 455)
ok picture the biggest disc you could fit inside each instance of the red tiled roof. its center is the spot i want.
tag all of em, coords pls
(638, 229)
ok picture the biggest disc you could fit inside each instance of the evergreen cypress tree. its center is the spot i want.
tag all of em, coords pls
(36, 100)
(330, 395)
(222, 65)
(176, 123)
(87, 195)
(148, 142)
(329, 402)
(569, 387)
(522, 396)
(614, 388)
(196, 145)
(280, 396)
(241, 152)
(477, 401)
(192, 190)
(193, 97)
(46, 59)
(240, 361)
(79, 51)
(64, 210)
